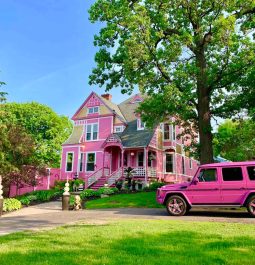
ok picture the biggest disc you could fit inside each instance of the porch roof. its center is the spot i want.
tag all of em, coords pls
(131, 137)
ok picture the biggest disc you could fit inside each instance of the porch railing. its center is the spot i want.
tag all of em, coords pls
(141, 172)
(152, 172)
(97, 175)
(115, 176)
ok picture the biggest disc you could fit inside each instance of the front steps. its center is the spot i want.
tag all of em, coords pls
(99, 183)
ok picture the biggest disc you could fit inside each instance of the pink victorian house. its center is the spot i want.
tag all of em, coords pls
(107, 138)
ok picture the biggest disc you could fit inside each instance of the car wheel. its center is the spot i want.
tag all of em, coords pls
(176, 205)
(251, 206)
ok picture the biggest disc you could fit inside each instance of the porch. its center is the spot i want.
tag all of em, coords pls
(116, 162)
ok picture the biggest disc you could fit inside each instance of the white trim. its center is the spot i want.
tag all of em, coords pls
(190, 163)
(139, 123)
(174, 162)
(87, 153)
(121, 127)
(93, 110)
(72, 152)
(92, 131)
(83, 162)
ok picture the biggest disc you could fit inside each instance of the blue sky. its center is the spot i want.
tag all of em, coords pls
(47, 52)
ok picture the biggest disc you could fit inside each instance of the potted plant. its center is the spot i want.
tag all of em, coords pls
(129, 176)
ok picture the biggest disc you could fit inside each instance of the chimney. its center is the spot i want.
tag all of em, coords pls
(107, 96)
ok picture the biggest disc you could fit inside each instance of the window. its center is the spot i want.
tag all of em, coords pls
(118, 129)
(91, 159)
(173, 133)
(251, 172)
(190, 163)
(137, 100)
(93, 110)
(125, 162)
(92, 132)
(149, 159)
(69, 162)
(140, 159)
(169, 163)
(169, 132)
(166, 132)
(183, 165)
(81, 162)
(232, 174)
(140, 124)
(207, 175)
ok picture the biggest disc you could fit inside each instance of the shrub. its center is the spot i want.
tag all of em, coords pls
(46, 195)
(72, 200)
(105, 191)
(154, 186)
(11, 205)
(24, 201)
(89, 193)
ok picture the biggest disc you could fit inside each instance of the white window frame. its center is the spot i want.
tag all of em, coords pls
(183, 166)
(173, 156)
(139, 125)
(87, 155)
(94, 110)
(140, 152)
(67, 153)
(190, 163)
(171, 130)
(118, 127)
(92, 131)
(81, 161)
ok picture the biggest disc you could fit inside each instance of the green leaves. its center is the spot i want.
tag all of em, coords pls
(235, 140)
(197, 51)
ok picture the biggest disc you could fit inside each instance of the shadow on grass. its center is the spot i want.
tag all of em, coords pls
(114, 245)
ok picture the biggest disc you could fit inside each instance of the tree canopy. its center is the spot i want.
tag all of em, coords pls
(47, 129)
(192, 58)
(234, 140)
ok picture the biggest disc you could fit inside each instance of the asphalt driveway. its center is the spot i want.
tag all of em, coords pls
(49, 215)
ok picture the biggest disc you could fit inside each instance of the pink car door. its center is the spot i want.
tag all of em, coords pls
(234, 186)
(206, 187)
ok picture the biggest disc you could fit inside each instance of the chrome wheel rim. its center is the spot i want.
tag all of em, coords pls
(176, 206)
(252, 206)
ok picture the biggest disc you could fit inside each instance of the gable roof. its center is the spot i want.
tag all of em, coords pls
(128, 107)
(131, 137)
(110, 105)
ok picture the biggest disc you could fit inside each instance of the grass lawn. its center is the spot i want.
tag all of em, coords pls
(139, 242)
(138, 200)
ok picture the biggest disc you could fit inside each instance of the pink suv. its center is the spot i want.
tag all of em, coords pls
(221, 184)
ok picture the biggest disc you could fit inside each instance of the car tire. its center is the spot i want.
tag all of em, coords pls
(176, 206)
(251, 206)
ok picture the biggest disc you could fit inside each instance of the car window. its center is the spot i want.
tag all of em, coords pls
(251, 172)
(232, 174)
(207, 175)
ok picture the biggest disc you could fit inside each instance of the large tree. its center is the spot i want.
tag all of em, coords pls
(189, 56)
(47, 129)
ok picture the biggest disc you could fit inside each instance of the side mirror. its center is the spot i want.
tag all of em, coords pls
(195, 181)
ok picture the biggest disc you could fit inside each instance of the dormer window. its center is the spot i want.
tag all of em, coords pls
(140, 125)
(118, 129)
(137, 100)
(93, 110)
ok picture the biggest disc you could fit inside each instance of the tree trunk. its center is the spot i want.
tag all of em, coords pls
(204, 115)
